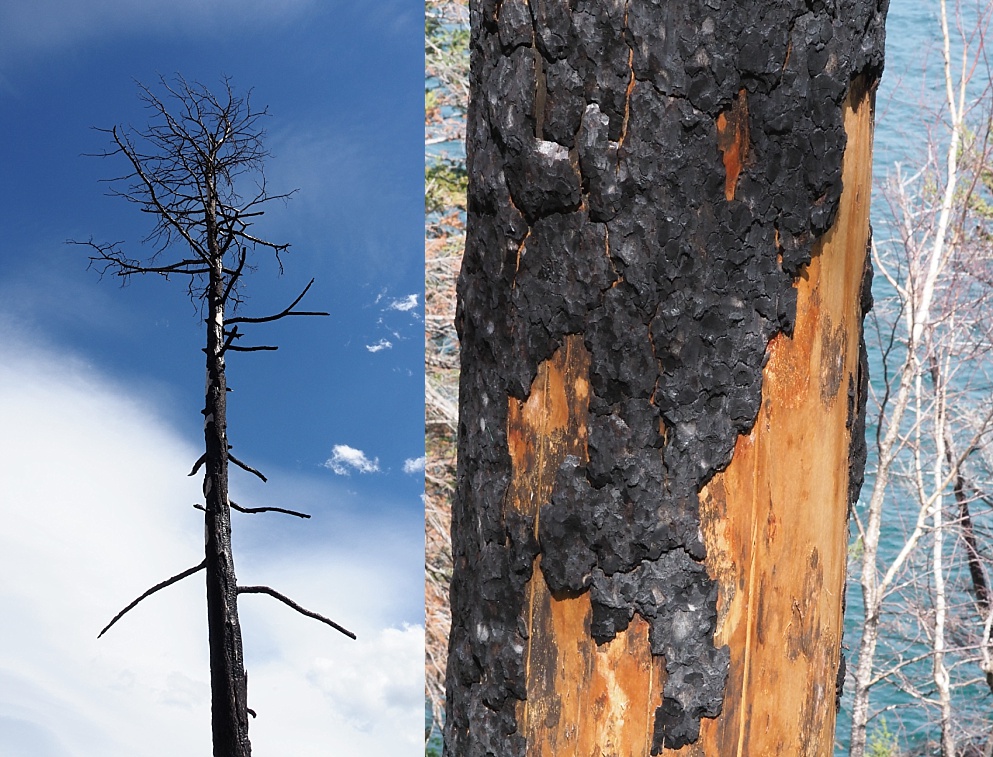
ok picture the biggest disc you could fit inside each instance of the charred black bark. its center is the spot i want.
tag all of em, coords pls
(652, 176)
(858, 393)
(228, 681)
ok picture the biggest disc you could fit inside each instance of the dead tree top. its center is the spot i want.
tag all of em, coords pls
(188, 169)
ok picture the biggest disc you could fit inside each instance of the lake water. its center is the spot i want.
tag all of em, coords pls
(911, 92)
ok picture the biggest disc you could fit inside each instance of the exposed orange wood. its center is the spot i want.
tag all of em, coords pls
(583, 698)
(732, 139)
(775, 521)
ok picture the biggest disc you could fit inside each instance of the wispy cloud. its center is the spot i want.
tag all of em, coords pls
(414, 464)
(50, 24)
(382, 344)
(404, 304)
(344, 459)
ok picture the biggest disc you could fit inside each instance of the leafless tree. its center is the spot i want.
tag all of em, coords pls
(934, 415)
(197, 170)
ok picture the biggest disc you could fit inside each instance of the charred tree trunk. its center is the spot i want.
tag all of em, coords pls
(662, 385)
(228, 681)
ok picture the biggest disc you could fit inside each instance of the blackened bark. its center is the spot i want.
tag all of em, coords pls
(858, 452)
(651, 176)
(228, 681)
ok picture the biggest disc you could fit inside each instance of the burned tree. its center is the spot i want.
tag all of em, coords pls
(663, 378)
(197, 169)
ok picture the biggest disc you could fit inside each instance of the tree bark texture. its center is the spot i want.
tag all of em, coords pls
(662, 388)
(228, 679)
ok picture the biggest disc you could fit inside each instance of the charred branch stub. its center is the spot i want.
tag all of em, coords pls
(651, 177)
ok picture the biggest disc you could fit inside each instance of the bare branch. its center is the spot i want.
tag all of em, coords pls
(245, 467)
(109, 256)
(230, 336)
(234, 276)
(241, 509)
(287, 601)
(165, 213)
(285, 313)
(168, 582)
(259, 348)
(198, 464)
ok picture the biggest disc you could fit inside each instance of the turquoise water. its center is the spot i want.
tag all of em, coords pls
(911, 92)
(912, 77)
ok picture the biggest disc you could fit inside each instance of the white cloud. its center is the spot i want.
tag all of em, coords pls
(95, 506)
(404, 303)
(91, 483)
(382, 344)
(414, 465)
(378, 683)
(344, 457)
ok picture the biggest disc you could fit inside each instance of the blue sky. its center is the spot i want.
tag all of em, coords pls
(101, 386)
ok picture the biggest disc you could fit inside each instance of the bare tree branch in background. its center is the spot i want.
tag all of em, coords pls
(447, 62)
(934, 417)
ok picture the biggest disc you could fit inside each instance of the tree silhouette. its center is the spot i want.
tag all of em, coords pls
(197, 169)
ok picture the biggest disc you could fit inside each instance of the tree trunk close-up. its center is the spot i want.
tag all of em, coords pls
(662, 374)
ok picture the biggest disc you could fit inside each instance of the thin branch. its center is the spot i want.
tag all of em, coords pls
(245, 467)
(241, 509)
(259, 348)
(163, 210)
(285, 313)
(229, 340)
(168, 582)
(109, 255)
(286, 600)
(233, 278)
(198, 464)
